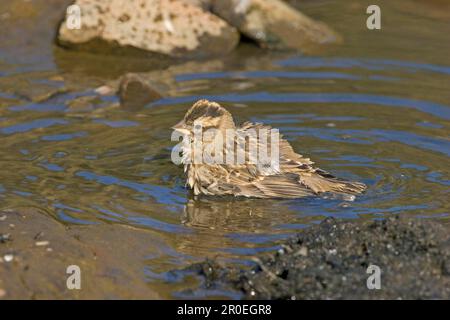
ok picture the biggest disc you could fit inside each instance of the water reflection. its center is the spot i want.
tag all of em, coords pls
(235, 215)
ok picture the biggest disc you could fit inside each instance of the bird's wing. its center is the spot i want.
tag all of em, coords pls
(296, 176)
(288, 158)
(253, 180)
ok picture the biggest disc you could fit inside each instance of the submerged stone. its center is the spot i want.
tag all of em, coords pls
(135, 92)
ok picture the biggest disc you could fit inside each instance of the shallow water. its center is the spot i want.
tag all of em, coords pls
(375, 110)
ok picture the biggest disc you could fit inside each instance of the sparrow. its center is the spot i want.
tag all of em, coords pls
(294, 177)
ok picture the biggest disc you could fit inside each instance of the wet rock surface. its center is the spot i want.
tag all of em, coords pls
(330, 261)
(274, 24)
(173, 28)
(135, 91)
(35, 251)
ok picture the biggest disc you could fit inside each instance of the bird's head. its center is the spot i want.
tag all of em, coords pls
(208, 115)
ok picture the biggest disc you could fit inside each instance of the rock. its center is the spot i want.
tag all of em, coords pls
(104, 90)
(42, 243)
(8, 257)
(5, 237)
(274, 24)
(135, 92)
(84, 103)
(169, 27)
(26, 86)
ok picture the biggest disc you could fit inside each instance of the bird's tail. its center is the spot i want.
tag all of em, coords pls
(324, 182)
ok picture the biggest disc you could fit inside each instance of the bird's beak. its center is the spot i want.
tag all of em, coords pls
(179, 125)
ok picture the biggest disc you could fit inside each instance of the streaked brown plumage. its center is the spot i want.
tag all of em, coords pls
(297, 177)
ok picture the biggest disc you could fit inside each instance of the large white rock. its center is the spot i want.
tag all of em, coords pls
(170, 27)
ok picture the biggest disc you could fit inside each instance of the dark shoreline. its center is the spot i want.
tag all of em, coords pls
(330, 261)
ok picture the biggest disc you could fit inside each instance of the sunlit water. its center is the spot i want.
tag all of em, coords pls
(375, 110)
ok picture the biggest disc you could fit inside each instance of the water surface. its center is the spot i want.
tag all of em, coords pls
(375, 110)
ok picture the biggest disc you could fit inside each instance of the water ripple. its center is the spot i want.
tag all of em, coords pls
(160, 194)
(369, 64)
(438, 110)
(35, 124)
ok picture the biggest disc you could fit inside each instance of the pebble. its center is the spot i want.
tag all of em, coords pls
(42, 243)
(105, 90)
(135, 92)
(38, 235)
(303, 251)
(8, 257)
(349, 197)
(5, 237)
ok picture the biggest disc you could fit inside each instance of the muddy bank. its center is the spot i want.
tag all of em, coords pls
(327, 261)
(35, 251)
(330, 261)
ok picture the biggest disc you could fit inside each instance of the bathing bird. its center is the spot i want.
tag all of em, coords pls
(288, 175)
